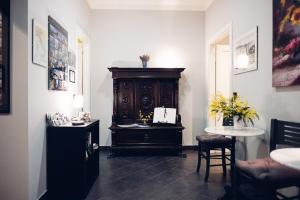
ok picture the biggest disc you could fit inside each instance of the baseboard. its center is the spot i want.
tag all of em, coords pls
(44, 196)
(190, 147)
(104, 148)
(185, 147)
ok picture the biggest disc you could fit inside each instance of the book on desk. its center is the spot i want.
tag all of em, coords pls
(164, 115)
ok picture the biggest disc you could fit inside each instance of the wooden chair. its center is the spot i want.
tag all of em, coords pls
(266, 175)
(209, 142)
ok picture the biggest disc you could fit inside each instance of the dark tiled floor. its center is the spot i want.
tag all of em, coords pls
(155, 178)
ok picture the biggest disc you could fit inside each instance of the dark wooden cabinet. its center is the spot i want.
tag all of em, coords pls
(141, 90)
(72, 160)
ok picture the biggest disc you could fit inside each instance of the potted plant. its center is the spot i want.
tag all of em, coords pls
(235, 108)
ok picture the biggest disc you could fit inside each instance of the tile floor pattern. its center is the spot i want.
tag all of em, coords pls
(155, 178)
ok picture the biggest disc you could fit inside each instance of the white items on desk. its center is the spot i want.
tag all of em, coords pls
(164, 115)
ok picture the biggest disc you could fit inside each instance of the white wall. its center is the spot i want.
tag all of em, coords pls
(13, 131)
(74, 16)
(119, 37)
(255, 86)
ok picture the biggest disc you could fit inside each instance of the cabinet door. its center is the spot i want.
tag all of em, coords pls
(166, 94)
(126, 101)
(146, 96)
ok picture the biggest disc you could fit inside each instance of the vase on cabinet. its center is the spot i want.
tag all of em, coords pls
(144, 64)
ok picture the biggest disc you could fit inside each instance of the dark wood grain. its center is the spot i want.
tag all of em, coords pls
(141, 90)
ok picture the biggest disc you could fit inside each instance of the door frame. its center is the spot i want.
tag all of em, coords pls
(211, 62)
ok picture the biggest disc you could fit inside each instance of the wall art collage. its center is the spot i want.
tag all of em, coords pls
(51, 49)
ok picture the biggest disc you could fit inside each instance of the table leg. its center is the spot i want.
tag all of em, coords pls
(233, 170)
(230, 191)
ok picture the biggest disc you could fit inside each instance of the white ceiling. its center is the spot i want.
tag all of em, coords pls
(150, 4)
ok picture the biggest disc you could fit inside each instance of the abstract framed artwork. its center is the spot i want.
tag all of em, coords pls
(72, 76)
(286, 42)
(4, 57)
(39, 44)
(245, 52)
(57, 56)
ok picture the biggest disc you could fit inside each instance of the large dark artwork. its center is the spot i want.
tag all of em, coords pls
(4, 57)
(286, 43)
(57, 56)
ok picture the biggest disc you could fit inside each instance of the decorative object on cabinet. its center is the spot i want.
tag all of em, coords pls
(138, 89)
(144, 58)
(72, 160)
(57, 119)
(145, 118)
(39, 44)
(72, 76)
(235, 108)
(57, 56)
(286, 41)
(85, 116)
(164, 115)
(245, 52)
(4, 56)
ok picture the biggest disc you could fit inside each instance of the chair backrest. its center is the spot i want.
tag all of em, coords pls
(284, 133)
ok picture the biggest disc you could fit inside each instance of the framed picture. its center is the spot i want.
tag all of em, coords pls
(57, 56)
(245, 52)
(72, 59)
(72, 76)
(4, 57)
(286, 42)
(39, 44)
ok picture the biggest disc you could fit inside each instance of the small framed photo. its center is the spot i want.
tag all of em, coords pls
(72, 76)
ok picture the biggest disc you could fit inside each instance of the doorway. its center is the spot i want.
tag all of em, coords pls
(220, 65)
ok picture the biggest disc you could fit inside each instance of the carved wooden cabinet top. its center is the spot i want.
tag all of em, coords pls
(139, 90)
(118, 72)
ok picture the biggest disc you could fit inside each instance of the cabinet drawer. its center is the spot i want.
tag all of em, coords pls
(146, 138)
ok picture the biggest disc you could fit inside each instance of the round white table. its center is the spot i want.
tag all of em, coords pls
(289, 157)
(234, 132)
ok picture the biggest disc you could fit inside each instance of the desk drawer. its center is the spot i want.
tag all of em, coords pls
(147, 138)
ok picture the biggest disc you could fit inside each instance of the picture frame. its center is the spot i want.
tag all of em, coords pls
(286, 42)
(39, 44)
(5, 57)
(72, 76)
(245, 55)
(72, 59)
(57, 56)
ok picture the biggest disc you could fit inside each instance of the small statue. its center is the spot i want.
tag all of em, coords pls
(145, 118)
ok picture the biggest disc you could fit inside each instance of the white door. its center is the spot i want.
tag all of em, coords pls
(223, 70)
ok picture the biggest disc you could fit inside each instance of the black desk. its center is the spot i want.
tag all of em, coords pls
(72, 160)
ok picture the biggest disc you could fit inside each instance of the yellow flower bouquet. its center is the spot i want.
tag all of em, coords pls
(232, 107)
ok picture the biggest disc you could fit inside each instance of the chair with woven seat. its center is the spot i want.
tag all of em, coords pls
(266, 175)
(209, 142)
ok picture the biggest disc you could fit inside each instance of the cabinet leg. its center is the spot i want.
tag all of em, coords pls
(111, 155)
(182, 155)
